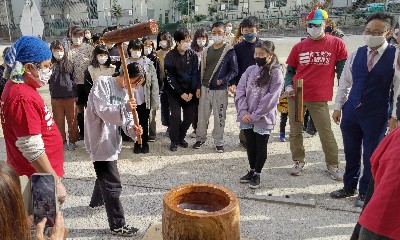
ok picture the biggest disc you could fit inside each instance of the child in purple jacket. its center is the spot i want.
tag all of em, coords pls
(257, 96)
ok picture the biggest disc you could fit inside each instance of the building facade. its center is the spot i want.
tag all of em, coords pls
(234, 7)
(58, 15)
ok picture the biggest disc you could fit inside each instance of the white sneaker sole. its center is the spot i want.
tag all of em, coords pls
(336, 179)
(219, 151)
(122, 234)
(254, 187)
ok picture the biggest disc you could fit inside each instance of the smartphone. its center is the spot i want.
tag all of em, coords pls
(44, 198)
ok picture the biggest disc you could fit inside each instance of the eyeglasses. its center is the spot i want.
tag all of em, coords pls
(374, 33)
(312, 25)
(38, 67)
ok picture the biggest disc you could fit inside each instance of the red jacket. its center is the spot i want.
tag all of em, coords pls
(382, 214)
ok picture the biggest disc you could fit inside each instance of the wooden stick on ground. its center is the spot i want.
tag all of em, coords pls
(298, 102)
(128, 86)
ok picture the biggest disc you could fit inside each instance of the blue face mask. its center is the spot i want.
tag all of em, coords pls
(249, 36)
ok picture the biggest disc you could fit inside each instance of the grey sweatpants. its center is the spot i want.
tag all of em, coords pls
(217, 102)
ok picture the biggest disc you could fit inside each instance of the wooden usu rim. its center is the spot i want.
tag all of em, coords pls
(223, 192)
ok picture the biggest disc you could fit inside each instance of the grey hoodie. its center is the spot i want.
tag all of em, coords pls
(106, 111)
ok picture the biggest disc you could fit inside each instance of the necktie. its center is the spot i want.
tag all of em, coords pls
(371, 57)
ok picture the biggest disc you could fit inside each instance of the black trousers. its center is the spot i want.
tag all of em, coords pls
(164, 109)
(196, 113)
(366, 234)
(107, 190)
(256, 149)
(178, 127)
(143, 115)
(357, 230)
(284, 118)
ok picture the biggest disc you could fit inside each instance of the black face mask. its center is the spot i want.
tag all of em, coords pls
(329, 29)
(261, 61)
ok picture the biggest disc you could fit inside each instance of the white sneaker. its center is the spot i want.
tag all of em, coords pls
(297, 168)
(335, 172)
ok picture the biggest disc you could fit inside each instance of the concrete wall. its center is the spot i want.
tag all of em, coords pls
(164, 11)
(251, 6)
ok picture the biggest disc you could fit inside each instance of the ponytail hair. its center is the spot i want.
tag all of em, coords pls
(265, 74)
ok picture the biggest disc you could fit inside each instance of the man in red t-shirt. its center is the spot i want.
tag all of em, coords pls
(380, 218)
(33, 141)
(315, 60)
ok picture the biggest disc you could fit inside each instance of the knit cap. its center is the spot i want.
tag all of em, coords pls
(26, 49)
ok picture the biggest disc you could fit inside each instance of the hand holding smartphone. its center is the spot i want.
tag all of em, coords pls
(44, 198)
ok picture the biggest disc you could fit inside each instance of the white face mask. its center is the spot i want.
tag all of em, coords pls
(147, 50)
(88, 35)
(201, 42)
(218, 39)
(44, 76)
(163, 43)
(228, 29)
(136, 54)
(58, 55)
(315, 32)
(77, 41)
(185, 46)
(374, 41)
(102, 59)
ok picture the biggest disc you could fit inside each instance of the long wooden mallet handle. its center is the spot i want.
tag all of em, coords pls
(128, 86)
(132, 32)
(298, 102)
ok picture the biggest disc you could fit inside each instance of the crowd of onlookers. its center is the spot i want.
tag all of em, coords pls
(189, 78)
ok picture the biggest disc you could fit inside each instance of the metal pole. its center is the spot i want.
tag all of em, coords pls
(228, 10)
(188, 15)
(8, 21)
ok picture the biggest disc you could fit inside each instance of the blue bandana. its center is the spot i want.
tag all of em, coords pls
(25, 50)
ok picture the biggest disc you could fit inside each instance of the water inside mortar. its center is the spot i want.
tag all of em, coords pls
(200, 208)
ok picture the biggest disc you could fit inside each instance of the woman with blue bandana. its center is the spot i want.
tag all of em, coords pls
(33, 141)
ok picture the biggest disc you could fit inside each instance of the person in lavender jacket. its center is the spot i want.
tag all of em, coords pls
(257, 97)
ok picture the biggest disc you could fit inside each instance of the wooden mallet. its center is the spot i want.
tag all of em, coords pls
(121, 35)
(298, 101)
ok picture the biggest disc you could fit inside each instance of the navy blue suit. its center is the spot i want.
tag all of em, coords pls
(364, 119)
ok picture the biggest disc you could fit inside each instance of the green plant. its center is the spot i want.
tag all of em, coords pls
(212, 9)
(116, 11)
(200, 17)
(171, 27)
(183, 6)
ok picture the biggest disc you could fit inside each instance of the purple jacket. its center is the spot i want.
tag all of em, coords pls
(260, 103)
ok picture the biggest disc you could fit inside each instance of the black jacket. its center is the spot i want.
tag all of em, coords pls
(62, 83)
(182, 72)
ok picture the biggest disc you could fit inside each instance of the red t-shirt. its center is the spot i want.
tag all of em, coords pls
(23, 113)
(315, 64)
(381, 215)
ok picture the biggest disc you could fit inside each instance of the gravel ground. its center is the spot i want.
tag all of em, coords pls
(146, 178)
